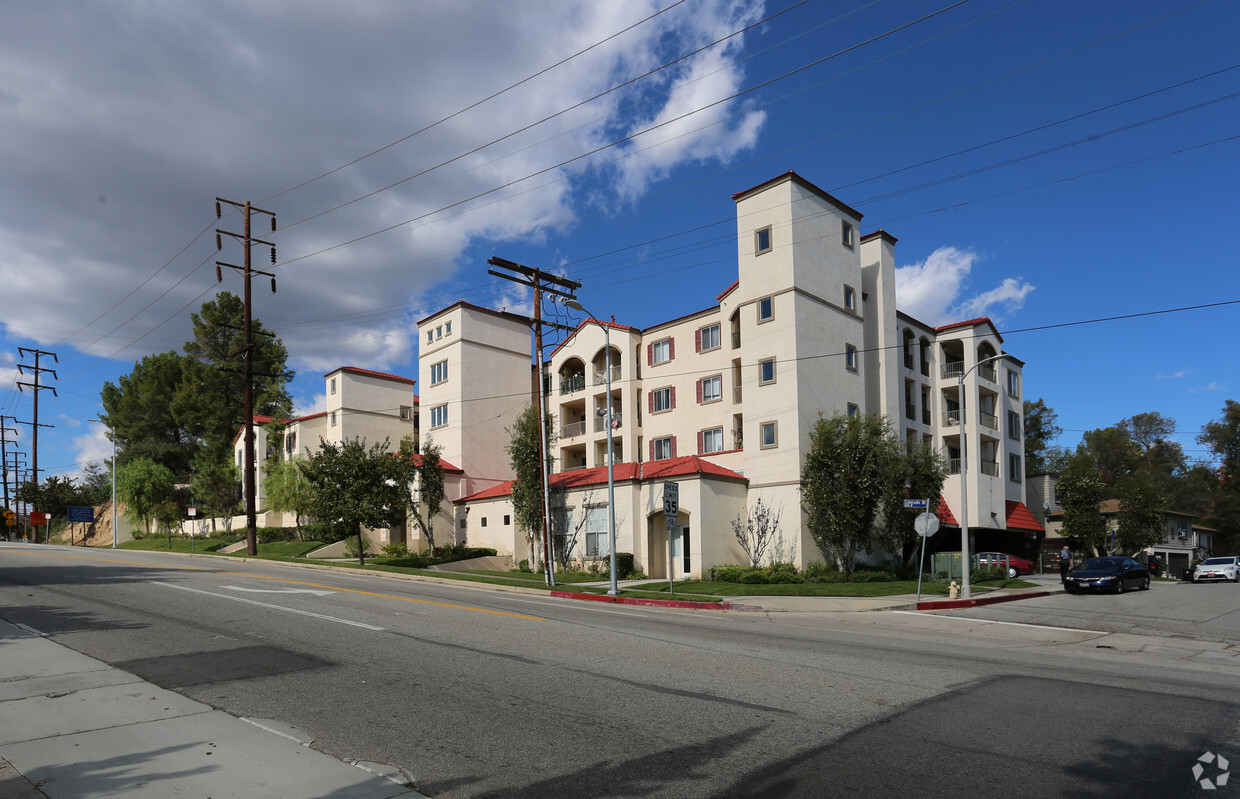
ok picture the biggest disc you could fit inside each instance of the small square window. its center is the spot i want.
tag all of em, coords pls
(447, 328)
(762, 240)
(769, 435)
(662, 399)
(507, 519)
(853, 410)
(850, 298)
(430, 336)
(662, 448)
(766, 371)
(708, 338)
(439, 332)
(661, 351)
(850, 357)
(406, 412)
(712, 440)
(846, 233)
(712, 389)
(484, 521)
(766, 309)
(463, 523)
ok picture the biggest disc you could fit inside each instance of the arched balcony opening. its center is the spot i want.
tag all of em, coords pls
(925, 356)
(909, 345)
(572, 376)
(599, 366)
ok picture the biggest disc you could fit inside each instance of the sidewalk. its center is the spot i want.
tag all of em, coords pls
(72, 726)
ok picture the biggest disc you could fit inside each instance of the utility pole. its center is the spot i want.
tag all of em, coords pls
(38, 371)
(541, 281)
(15, 465)
(4, 455)
(251, 519)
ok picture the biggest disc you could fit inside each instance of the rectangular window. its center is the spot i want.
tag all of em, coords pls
(439, 373)
(661, 399)
(853, 410)
(439, 332)
(333, 385)
(768, 434)
(766, 309)
(596, 533)
(661, 448)
(447, 328)
(1014, 468)
(333, 418)
(1013, 383)
(711, 441)
(850, 357)
(1014, 425)
(406, 412)
(439, 415)
(430, 336)
(708, 338)
(850, 298)
(661, 351)
(711, 389)
(762, 240)
(484, 521)
(766, 371)
(846, 233)
(507, 520)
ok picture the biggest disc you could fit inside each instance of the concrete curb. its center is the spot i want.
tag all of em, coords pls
(950, 604)
(662, 603)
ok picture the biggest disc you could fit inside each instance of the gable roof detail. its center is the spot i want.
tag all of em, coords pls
(370, 373)
(791, 175)
(650, 471)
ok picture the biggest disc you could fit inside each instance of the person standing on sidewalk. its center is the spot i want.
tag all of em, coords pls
(1065, 563)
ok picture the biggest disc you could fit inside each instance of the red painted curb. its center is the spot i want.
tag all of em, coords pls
(664, 603)
(949, 604)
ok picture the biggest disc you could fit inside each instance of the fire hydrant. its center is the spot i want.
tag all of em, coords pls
(953, 590)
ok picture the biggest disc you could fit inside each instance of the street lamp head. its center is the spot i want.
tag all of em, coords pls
(576, 306)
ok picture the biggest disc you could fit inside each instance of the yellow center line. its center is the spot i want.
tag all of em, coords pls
(286, 580)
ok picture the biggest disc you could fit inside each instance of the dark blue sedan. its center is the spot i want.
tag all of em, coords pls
(1115, 574)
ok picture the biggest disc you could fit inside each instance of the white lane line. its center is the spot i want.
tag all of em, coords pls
(924, 615)
(278, 590)
(266, 605)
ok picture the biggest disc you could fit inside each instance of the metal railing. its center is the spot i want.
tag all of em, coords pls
(953, 466)
(736, 339)
(989, 420)
(925, 416)
(991, 468)
(573, 384)
(573, 429)
(953, 369)
(736, 395)
(600, 422)
(987, 372)
(600, 376)
(954, 418)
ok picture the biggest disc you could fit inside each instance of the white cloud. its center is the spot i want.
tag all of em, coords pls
(935, 291)
(93, 446)
(1212, 386)
(1174, 375)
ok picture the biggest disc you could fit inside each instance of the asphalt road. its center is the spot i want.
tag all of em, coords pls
(484, 693)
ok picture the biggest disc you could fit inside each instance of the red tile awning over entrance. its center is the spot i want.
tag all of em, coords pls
(1019, 517)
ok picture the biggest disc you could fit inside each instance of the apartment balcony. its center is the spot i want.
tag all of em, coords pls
(910, 412)
(908, 360)
(571, 385)
(953, 466)
(600, 376)
(991, 468)
(573, 429)
(989, 420)
(736, 395)
(987, 372)
(925, 416)
(600, 423)
(953, 369)
(736, 339)
(954, 418)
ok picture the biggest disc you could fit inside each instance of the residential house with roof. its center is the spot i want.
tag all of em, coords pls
(723, 399)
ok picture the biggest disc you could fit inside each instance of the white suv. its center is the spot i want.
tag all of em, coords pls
(1218, 569)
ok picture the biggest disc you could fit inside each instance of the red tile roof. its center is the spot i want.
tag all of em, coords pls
(651, 471)
(945, 513)
(1019, 517)
(372, 373)
(589, 321)
(981, 320)
(728, 291)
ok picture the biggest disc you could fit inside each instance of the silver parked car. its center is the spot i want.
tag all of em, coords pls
(1227, 568)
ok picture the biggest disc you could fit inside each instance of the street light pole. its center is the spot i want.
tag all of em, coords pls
(611, 466)
(114, 531)
(965, 565)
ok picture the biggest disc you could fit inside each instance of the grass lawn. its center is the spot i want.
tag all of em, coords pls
(178, 544)
(283, 549)
(560, 577)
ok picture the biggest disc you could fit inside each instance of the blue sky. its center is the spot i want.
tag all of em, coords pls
(1044, 163)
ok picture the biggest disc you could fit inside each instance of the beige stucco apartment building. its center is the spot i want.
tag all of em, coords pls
(722, 399)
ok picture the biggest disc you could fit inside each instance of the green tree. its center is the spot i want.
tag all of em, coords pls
(138, 411)
(287, 488)
(919, 473)
(218, 484)
(428, 477)
(1222, 436)
(96, 484)
(1141, 520)
(527, 507)
(842, 482)
(1080, 492)
(143, 485)
(1041, 430)
(354, 486)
